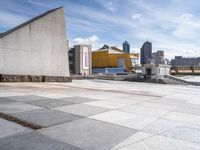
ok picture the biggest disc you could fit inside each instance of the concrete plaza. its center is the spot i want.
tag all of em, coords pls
(100, 115)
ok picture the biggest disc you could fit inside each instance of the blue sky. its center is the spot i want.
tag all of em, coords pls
(171, 25)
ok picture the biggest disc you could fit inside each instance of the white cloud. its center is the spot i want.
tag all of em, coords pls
(187, 16)
(167, 27)
(38, 3)
(135, 50)
(89, 40)
(174, 33)
(110, 6)
(185, 31)
(188, 27)
(92, 40)
(136, 16)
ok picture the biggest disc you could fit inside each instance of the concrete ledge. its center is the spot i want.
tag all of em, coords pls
(57, 79)
(77, 77)
(30, 78)
(146, 80)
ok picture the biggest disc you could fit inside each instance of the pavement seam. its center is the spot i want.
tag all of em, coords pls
(19, 121)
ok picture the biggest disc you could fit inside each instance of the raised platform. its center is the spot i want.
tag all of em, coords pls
(31, 78)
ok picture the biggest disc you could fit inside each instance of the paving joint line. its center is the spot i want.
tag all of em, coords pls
(19, 121)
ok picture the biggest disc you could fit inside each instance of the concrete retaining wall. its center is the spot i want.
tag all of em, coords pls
(29, 78)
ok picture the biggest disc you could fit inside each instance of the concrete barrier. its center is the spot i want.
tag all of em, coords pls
(30, 78)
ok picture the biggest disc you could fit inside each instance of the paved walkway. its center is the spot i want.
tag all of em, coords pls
(100, 115)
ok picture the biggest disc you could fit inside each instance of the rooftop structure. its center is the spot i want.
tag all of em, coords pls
(151, 70)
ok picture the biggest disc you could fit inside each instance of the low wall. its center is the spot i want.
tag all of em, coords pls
(146, 80)
(30, 78)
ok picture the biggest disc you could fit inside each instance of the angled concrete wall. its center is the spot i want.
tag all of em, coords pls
(38, 48)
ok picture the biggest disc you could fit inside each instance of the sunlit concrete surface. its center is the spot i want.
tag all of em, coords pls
(100, 115)
(37, 47)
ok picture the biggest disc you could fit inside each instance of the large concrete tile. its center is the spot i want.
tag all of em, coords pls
(169, 101)
(183, 117)
(78, 99)
(162, 125)
(188, 108)
(107, 104)
(46, 117)
(137, 109)
(156, 105)
(4, 100)
(8, 128)
(50, 103)
(89, 134)
(134, 121)
(33, 141)
(54, 94)
(104, 96)
(162, 143)
(82, 109)
(26, 98)
(139, 136)
(142, 98)
(194, 101)
(123, 100)
(17, 107)
(179, 96)
(11, 94)
(184, 133)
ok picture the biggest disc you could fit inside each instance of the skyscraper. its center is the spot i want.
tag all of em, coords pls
(126, 47)
(145, 52)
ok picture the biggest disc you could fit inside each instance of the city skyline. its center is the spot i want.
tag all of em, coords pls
(100, 22)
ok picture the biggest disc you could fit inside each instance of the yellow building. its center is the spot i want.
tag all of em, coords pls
(113, 57)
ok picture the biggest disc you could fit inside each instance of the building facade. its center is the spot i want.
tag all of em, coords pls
(80, 60)
(150, 70)
(181, 61)
(126, 47)
(113, 57)
(158, 57)
(146, 53)
(37, 47)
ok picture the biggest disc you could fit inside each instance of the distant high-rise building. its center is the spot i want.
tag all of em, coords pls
(158, 57)
(146, 52)
(184, 61)
(160, 53)
(126, 47)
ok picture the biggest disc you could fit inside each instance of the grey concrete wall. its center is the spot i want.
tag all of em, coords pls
(39, 48)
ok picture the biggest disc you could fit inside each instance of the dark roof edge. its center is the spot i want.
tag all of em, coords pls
(28, 22)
